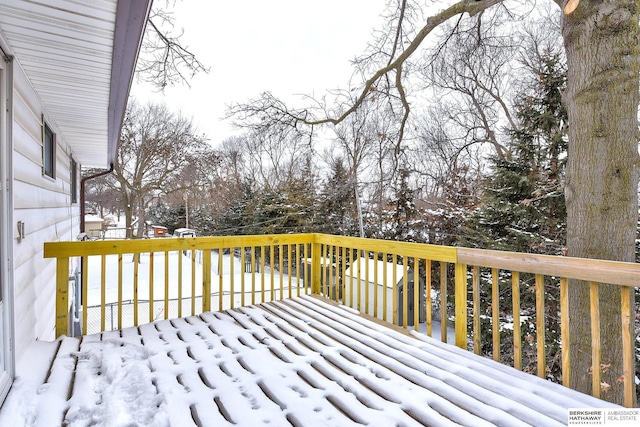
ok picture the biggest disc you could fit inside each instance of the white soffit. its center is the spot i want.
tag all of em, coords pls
(66, 48)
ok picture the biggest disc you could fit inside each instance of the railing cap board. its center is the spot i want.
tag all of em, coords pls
(601, 271)
(592, 270)
(419, 250)
(100, 247)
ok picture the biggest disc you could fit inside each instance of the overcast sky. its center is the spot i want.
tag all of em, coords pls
(287, 47)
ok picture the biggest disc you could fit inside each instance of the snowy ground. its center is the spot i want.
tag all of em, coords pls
(300, 362)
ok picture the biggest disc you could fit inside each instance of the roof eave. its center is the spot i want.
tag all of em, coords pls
(131, 20)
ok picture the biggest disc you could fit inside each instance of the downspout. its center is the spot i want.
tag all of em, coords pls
(76, 329)
(82, 195)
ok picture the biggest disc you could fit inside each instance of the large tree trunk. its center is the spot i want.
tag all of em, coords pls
(602, 42)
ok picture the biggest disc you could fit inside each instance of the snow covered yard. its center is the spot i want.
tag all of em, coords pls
(300, 362)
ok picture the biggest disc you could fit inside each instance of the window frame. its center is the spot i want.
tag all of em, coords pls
(49, 151)
(73, 187)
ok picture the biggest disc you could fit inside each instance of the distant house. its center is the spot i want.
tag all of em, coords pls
(93, 226)
(65, 73)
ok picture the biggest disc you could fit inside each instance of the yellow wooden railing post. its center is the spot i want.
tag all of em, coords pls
(628, 352)
(206, 280)
(62, 296)
(461, 305)
(315, 267)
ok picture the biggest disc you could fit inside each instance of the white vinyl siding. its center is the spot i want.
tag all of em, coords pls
(45, 207)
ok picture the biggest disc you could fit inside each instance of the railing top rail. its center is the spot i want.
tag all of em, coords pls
(106, 247)
(592, 270)
(601, 271)
(419, 250)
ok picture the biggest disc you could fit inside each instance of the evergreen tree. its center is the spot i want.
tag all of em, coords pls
(523, 206)
(338, 213)
(404, 211)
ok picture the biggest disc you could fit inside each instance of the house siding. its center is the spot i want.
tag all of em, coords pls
(44, 205)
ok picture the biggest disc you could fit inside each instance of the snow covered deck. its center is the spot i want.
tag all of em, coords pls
(300, 362)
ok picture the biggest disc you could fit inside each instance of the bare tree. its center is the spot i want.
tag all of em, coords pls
(156, 149)
(164, 60)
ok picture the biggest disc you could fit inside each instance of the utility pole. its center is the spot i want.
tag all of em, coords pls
(186, 208)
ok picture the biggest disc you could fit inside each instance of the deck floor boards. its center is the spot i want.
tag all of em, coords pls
(299, 362)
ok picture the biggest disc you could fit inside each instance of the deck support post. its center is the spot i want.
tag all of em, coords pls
(315, 267)
(461, 305)
(62, 296)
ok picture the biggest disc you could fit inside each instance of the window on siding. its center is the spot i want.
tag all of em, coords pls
(49, 152)
(74, 181)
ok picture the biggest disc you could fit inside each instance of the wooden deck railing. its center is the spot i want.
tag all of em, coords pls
(484, 296)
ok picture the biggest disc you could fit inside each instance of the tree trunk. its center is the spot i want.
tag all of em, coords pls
(601, 39)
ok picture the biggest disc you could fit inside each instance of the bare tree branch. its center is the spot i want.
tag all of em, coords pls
(270, 111)
(164, 60)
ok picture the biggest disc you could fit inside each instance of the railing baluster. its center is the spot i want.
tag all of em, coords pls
(444, 318)
(85, 292)
(242, 274)
(417, 291)
(220, 279)
(119, 291)
(405, 292)
(343, 253)
(232, 294)
(281, 271)
(289, 270)
(151, 273)
(564, 332)
(359, 262)
(300, 256)
(166, 285)
(628, 352)
(367, 284)
(540, 327)
(595, 338)
(475, 289)
(495, 313)
(376, 286)
(253, 275)
(272, 272)
(136, 262)
(262, 264)
(193, 282)
(179, 283)
(385, 289)
(394, 287)
(517, 335)
(427, 296)
(103, 290)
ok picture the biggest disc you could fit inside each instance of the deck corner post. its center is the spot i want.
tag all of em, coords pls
(461, 305)
(62, 296)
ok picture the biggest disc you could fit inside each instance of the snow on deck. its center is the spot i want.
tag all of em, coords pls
(300, 362)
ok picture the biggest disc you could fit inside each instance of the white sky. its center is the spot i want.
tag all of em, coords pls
(287, 47)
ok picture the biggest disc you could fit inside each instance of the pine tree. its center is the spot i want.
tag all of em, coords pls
(523, 205)
(337, 213)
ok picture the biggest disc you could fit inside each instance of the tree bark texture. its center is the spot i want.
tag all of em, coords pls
(601, 39)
